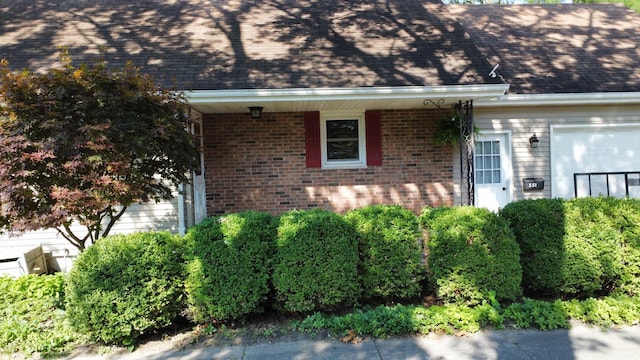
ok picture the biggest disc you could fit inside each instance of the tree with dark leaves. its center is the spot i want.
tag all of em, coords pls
(80, 145)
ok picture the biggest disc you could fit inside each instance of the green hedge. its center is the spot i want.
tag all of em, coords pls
(316, 262)
(125, 286)
(229, 265)
(390, 250)
(472, 255)
(539, 229)
(579, 247)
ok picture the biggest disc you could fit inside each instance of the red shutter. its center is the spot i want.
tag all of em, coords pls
(374, 137)
(312, 138)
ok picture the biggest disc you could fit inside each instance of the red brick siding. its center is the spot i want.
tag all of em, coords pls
(260, 165)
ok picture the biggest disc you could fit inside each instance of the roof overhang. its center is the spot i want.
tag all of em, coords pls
(307, 99)
(569, 99)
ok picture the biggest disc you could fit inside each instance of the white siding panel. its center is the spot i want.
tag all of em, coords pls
(524, 121)
(59, 252)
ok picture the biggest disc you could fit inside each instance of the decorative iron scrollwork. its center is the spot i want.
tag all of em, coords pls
(462, 113)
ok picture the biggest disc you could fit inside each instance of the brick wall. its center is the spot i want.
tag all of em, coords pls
(260, 165)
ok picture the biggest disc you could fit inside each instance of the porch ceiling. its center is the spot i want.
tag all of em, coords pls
(322, 99)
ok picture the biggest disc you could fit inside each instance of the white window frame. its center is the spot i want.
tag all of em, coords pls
(361, 162)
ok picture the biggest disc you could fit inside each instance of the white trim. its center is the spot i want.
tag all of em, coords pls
(362, 147)
(360, 93)
(562, 99)
(182, 228)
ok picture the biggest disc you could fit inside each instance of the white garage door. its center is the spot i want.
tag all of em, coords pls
(604, 157)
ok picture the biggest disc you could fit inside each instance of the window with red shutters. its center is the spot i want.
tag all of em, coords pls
(337, 140)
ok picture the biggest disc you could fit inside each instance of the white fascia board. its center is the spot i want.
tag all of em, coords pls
(363, 93)
(610, 98)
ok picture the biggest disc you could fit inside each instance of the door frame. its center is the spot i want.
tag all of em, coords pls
(506, 162)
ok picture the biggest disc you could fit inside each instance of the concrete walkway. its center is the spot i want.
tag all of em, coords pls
(580, 342)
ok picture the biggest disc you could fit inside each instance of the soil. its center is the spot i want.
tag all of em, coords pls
(184, 335)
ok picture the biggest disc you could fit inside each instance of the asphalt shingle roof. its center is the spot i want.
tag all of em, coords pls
(563, 48)
(272, 44)
(237, 44)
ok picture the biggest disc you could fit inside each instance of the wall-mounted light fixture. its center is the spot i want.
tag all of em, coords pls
(255, 112)
(533, 141)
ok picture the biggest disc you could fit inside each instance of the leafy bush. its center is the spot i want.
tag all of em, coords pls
(539, 228)
(543, 314)
(390, 250)
(605, 312)
(230, 260)
(385, 321)
(125, 286)
(623, 217)
(316, 262)
(578, 247)
(32, 316)
(472, 253)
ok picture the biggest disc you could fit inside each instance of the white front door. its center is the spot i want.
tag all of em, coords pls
(492, 171)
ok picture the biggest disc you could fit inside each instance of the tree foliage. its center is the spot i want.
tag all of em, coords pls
(84, 143)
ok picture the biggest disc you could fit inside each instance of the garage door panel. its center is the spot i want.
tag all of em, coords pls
(592, 149)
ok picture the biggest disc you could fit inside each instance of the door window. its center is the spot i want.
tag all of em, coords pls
(487, 162)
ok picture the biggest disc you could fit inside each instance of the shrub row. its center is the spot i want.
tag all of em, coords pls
(577, 248)
(235, 265)
(232, 266)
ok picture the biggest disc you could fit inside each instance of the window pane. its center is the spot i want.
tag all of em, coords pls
(487, 162)
(487, 177)
(342, 150)
(496, 162)
(479, 147)
(479, 163)
(496, 176)
(496, 147)
(479, 177)
(342, 129)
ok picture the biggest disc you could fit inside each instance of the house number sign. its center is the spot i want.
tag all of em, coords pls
(532, 184)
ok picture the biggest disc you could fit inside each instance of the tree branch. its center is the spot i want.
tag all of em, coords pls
(113, 219)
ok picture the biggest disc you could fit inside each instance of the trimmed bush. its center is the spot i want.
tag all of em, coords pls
(229, 265)
(538, 226)
(316, 262)
(579, 247)
(390, 250)
(125, 286)
(472, 255)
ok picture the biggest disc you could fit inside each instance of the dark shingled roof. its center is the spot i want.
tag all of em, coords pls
(564, 48)
(274, 44)
(251, 44)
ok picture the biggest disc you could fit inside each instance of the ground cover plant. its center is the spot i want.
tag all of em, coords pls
(125, 287)
(32, 316)
(229, 265)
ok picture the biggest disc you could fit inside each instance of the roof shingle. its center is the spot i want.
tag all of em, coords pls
(562, 48)
(242, 44)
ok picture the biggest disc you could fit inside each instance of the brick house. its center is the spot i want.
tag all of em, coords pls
(352, 94)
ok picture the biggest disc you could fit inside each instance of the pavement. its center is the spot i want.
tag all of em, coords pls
(580, 342)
